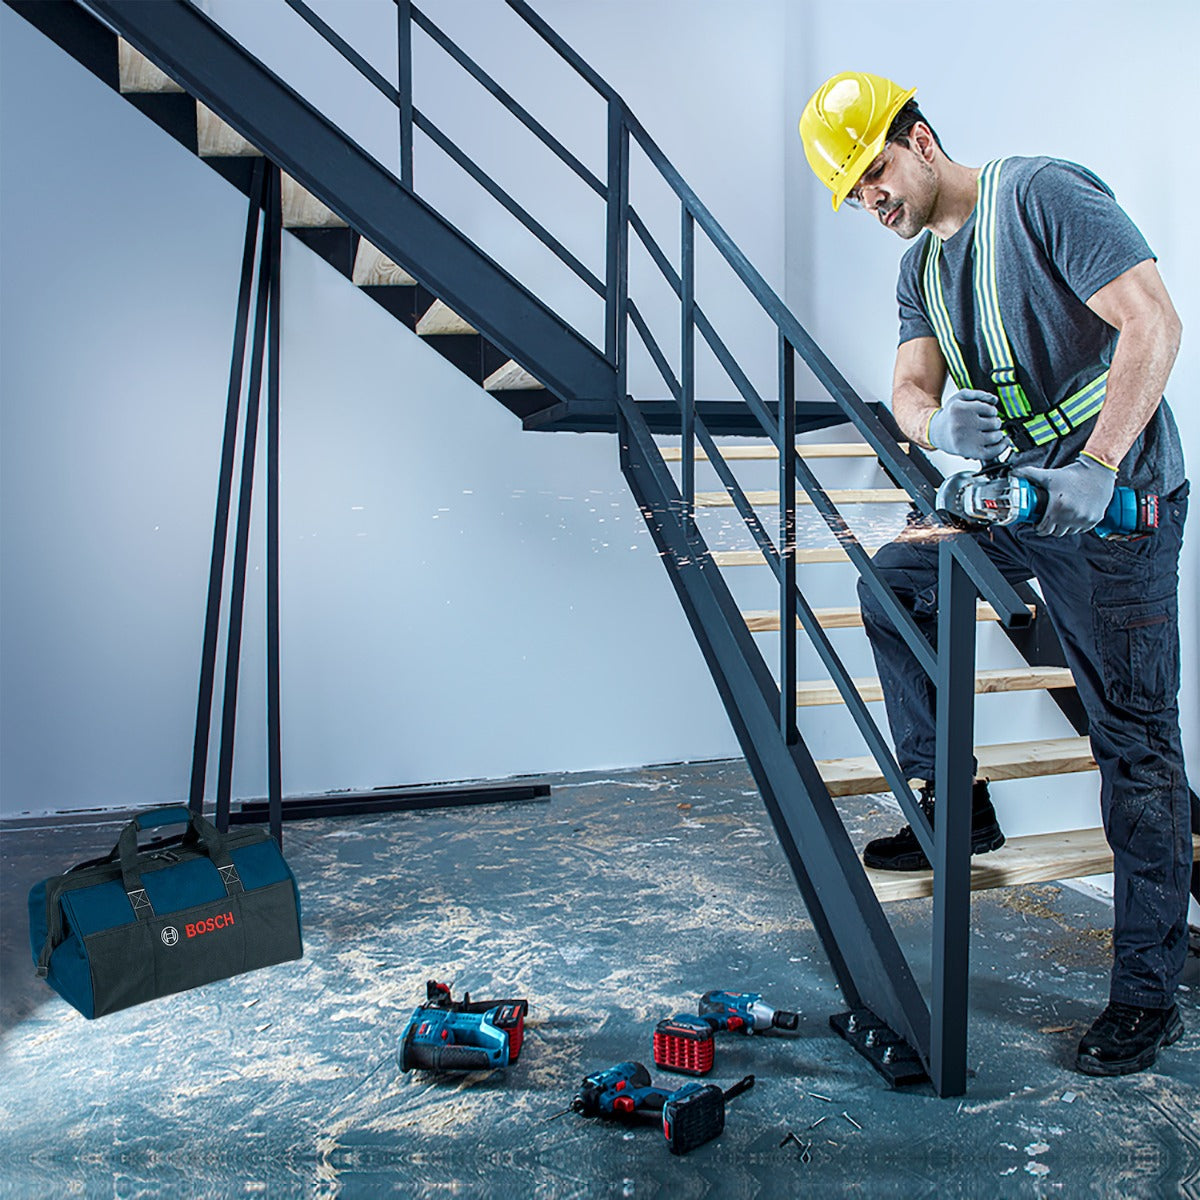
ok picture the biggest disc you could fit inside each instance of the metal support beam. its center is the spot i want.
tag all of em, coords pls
(954, 769)
(216, 572)
(787, 543)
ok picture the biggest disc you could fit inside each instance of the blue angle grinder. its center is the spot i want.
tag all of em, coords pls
(979, 499)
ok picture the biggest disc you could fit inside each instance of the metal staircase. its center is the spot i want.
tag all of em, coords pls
(370, 222)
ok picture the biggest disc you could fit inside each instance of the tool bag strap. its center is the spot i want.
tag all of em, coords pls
(1025, 427)
(200, 832)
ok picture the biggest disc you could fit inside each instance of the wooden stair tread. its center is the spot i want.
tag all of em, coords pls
(215, 138)
(837, 495)
(804, 554)
(373, 268)
(767, 620)
(1038, 858)
(440, 318)
(138, 74)
(302, 210)
(1008, 760)
(1002, 679)
(510, 377)
(757, 453)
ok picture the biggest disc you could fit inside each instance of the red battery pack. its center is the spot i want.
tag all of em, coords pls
(684, 1043)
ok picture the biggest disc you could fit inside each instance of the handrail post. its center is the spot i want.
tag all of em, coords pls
(954, 768)
(405, 82)
(616, 276)
(787, 542)
(687, 364)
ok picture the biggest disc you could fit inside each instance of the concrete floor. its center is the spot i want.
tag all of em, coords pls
(612, 905)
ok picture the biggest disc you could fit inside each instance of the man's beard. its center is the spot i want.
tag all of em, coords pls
(915, 208)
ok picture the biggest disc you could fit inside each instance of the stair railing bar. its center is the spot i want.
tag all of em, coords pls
(274, 236)
(787, 544)
(655, 251)
(565, 52)
(687, 335)
(343, 47)
(655, 350)
(404, 75)
(426, 126)
(216, 573)
(486, 81)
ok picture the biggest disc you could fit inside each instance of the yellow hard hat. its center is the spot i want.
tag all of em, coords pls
(844, 126)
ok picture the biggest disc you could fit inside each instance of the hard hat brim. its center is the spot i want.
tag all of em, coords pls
(868, 154)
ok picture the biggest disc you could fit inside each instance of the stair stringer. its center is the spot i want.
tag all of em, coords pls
(871, 968)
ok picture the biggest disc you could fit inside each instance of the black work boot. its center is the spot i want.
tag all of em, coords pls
(1125, 1038)
(902, 851)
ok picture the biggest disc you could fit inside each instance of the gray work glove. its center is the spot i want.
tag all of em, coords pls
(1078, 495)
(968, 425)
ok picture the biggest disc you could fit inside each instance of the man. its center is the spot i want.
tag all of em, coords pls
(1036, 293)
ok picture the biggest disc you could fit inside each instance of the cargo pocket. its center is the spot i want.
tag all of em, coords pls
(122, 967)
(1139, 652)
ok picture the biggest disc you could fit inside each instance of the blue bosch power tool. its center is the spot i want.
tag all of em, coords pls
(444, 1034)
(691, 1115)
(995, 496)
(684, 1042)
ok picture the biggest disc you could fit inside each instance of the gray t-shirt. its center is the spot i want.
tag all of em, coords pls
(1060, 237)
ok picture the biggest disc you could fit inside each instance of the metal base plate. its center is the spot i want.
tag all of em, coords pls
(881, 1046)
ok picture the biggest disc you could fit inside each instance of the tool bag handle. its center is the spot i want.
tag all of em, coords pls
(201, 833)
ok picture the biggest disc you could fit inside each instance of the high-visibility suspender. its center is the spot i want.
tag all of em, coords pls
(1019, 418)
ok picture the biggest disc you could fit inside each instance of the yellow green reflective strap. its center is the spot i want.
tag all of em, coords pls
(1074, 411)
(987, 293)
(935, 302)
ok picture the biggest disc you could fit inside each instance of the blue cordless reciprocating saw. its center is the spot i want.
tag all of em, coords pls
(691, 1115)
(444, 1034)
(995, 496)
(684, 1042)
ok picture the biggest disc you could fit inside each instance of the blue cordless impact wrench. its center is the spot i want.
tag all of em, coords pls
(994, 496)
(444, 1034)
(691, 1115)
(684, 1042)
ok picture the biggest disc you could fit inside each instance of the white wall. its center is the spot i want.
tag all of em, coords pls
(460, 599)
(1096, 83)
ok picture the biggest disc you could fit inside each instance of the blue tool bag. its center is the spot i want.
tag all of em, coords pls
(146, 922)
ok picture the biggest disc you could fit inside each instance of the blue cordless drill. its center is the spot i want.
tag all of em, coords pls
(994, 496)
(444, 1034)
(691, 1115)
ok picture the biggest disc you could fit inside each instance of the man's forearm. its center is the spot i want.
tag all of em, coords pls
(913, 407)
(1142, 362)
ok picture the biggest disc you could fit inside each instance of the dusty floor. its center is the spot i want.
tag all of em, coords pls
(611, 905)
